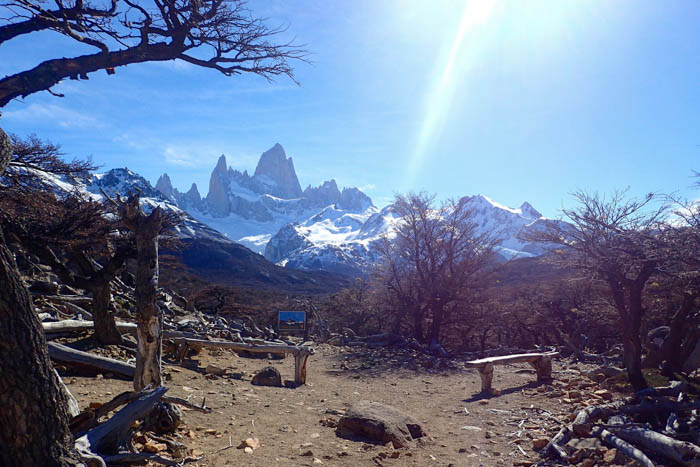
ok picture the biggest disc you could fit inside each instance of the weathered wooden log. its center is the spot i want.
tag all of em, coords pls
(622, 446)
(73, 407)
(584, 419)
(66, 355)
(682, 452)
(555, 444)
(108, 437)
(89, 418)
(72, 325)
(672, 390)
(301, 353)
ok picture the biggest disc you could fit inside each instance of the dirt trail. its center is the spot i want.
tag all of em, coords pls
(295, 426)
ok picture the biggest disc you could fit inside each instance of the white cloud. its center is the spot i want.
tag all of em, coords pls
(62, 116)
(367, 187)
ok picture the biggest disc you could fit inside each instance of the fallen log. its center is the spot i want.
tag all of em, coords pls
(90, 417)
(682, 452)
(108, 437)
(555, 444)
(66, 355)
(622, 446)
(73, 325)
(584, 419)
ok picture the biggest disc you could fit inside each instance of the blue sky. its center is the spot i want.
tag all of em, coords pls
(515, 100)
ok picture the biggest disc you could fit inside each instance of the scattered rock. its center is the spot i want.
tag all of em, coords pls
(268, 376)
(470, 428)
(539, 443)
(214, 370)
(379, 423)
(249, 443)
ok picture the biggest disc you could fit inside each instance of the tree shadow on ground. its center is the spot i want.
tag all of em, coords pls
(375, 362)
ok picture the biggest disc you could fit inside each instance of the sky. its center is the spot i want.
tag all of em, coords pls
(519, 101)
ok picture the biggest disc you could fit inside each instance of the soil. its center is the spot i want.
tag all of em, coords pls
(296, 426)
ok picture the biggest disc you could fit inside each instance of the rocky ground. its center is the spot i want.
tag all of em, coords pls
(297, 426)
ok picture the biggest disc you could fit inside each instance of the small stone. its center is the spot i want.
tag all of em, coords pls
(153, 448)
(315, 435)
(317, 460)
(539, 443)
(252, 443)
(214, 370)
(470, 428)
(308, 453)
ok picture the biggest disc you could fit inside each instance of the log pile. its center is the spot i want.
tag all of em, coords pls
(657, 426)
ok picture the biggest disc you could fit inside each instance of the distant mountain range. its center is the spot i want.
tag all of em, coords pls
(203, 251)
(322, 228)
(318, 230)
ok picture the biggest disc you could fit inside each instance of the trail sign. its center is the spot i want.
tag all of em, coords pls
(291, 321)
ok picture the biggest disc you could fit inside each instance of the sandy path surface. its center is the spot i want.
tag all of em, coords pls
(295, 426)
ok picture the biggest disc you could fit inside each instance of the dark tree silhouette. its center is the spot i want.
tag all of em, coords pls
(616, 240)
(434, 259)
(217, 34)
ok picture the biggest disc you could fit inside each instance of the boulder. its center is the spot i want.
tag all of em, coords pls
(268, 376)
(380, 424)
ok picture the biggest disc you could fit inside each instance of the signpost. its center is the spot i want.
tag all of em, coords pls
(291, 321)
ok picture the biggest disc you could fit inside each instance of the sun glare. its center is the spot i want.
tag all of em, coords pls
(440, 94)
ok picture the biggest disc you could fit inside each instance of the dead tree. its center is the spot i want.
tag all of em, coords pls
(66, 231)
(33, 408)
(435, 257)
(217, 34)
(615, 240)
(146, 228)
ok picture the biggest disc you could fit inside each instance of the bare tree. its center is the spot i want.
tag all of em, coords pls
(217, 34)
(616, 240)
(146, 229)
(65, 230)
(434, 258)
(683, 252)
(33, 408)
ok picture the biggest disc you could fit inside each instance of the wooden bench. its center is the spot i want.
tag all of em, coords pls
(541, 362)
(301, 353)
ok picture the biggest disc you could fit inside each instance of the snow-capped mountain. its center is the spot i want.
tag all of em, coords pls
(335, 242)
(251, 209)
(202, 250)
(323, 228)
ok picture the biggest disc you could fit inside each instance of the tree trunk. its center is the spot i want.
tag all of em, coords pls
(438, 315)
(106, 331)
(418, 324)
(33, 408)
(671, 349)
(148, 315)
(632, 355)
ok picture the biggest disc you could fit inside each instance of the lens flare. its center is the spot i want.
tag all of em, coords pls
(440, 95)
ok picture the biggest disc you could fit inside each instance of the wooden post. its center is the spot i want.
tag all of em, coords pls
(300, 367)
(543, 366)
(486, 373)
